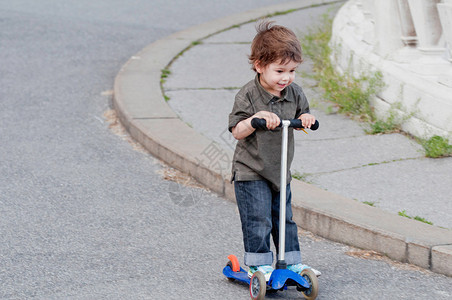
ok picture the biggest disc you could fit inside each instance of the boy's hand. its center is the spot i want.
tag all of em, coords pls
(271, 118)
(307, 120)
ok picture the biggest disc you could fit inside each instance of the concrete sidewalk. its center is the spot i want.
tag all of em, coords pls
(190, 134)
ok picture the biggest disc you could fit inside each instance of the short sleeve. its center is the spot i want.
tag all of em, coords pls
(302, 103)
(241, 110)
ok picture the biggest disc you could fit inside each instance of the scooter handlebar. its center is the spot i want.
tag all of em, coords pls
(258, 123)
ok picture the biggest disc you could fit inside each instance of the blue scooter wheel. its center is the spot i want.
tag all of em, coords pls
(258, 286)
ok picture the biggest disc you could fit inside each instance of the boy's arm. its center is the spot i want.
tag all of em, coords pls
(244, 128)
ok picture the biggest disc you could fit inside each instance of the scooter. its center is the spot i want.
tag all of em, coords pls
(281, 278)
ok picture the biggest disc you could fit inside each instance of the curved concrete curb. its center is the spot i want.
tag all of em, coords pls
(141, 107)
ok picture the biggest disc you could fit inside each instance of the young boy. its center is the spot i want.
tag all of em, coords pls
(272, 95)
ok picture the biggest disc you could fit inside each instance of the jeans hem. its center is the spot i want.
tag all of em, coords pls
(258, 259)
(293, 257)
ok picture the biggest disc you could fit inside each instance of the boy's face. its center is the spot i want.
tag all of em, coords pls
(276, 76)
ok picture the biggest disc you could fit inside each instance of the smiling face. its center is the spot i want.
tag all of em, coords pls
(276, 76)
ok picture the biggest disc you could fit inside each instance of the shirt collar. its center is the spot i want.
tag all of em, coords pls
(267, 97)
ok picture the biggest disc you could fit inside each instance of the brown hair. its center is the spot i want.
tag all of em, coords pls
(274, 43)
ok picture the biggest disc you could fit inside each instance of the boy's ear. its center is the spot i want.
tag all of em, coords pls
(258, 67)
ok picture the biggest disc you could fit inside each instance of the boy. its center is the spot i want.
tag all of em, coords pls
(272, 95)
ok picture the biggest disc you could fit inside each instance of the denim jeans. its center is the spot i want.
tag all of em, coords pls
(259, 205)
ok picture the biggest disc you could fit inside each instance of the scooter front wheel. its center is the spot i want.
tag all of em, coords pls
(258, 286)
(311, 278)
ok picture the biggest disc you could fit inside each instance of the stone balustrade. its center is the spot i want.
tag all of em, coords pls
(410, 42)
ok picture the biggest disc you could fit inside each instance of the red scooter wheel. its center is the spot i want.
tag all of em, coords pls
(235, 266)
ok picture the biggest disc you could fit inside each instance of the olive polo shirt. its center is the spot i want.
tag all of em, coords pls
(258, 156)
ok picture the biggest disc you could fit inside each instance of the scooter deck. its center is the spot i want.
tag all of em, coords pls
(241, 276)
(280, 278)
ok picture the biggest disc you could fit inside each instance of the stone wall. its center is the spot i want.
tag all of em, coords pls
(410, 42)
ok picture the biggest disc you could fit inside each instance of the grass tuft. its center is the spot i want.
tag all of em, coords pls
(437, 146)
(350, 93)
(417, 218)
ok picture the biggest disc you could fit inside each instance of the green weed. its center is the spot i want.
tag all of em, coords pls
(381, 126)
(349, 92)
(298, 176)
(391, 124)
(437, 146)
(417, 218)
(164, 75)
(280, 13)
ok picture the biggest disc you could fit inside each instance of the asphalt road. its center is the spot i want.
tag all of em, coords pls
(83, 213)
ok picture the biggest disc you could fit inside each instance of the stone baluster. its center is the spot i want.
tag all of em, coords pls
(388, 27)
(409, 37)
(445, 13)
(427, 24)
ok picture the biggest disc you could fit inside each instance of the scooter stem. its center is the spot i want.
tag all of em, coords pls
(281, 264)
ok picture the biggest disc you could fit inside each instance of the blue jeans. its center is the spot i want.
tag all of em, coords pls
(258, 205)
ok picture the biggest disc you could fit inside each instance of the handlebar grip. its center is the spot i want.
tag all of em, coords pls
(258, 123)
(315, 126)
(296, 123)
